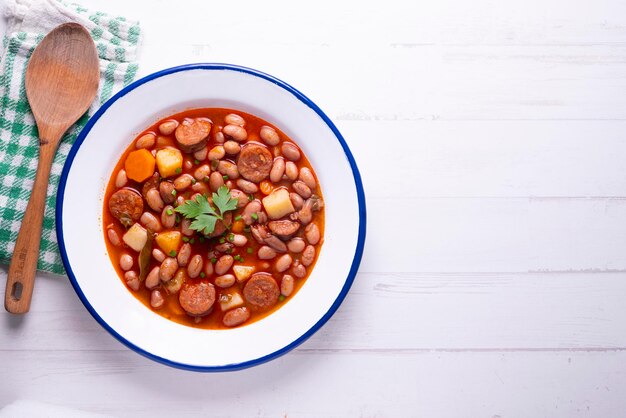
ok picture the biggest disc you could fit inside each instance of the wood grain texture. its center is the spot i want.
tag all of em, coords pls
(494, 132)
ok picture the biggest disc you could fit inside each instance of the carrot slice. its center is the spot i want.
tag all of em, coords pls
(266, 187)
(139, 165)
(238, 226)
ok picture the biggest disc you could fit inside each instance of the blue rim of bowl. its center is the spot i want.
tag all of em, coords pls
(357, 180)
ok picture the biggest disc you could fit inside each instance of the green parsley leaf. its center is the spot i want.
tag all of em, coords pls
(224, 201)
(204, 223)
(204, 216)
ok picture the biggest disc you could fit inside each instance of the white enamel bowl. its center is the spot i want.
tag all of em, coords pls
(80, 229)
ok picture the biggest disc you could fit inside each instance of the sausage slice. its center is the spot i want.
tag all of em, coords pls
(261, 291)
(283, 229)
(126, 205)
(197, 299)
(191, 134)
(254, 162)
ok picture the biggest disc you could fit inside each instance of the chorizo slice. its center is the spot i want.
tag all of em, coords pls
(126, 205)
(261, 291)
(284, 229)
(197, 299)
(191, 134)
(255, 162)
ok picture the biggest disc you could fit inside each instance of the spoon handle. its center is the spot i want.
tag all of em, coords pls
(21, 277)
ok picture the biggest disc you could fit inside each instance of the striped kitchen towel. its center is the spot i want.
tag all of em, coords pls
(117, 40)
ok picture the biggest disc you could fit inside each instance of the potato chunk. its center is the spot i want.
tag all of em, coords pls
(169, 241)
(230, 300)
(243, 272)
(277, 204)
(169, 162)
(136, 237)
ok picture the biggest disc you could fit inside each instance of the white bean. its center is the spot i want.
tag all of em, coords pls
(286, 285)
(247, 186)
(296, 245)
(153, 198)
(152, 279)
(168, 269)
(219, 137)
(228, 169)
(312, 234)
(201, 154)
(126, 262)
(216, 181)
(183, 254)
(132, 280)
(121, 179)
(150, 221)
(195, 266)
(227, 280)
(156, 299)
(308, 255)
(113, 237)
(302, 189)
(235, 132)
(167, 127)
(158, 255)
(252, 207)
(291, 170)
(307, 177)
(182, 182)
(283, 262)
(239, 240)
(290, 151)
(166, 191)
(266, 253)
(199, 187)
(269, 136)
(202, 172)
(232, 147)
(299, 270)
(236, 316)
(296, 200)
(168, 217)
(224, 263)
(145, 141)
(217, 153)
(233, 119)
(278, 169)
(208, 268)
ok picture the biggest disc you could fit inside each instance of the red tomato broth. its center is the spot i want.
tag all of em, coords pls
(171, 309)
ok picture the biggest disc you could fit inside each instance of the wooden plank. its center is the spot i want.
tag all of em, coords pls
(446, 22)
(489, 158)
(312, 385)
(432, 82)
(495, 235)
(449, 62)
(398, 312)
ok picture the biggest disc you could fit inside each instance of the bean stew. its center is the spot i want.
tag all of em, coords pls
(213, 218)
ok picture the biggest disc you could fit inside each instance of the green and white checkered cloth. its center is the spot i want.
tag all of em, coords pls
(117, 41)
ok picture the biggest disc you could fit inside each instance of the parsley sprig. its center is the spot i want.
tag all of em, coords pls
(203, 214)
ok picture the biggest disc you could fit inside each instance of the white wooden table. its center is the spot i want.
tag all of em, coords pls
(491, 137)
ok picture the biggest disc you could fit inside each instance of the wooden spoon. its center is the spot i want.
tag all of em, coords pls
(61, 82)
